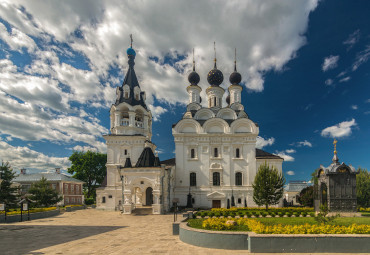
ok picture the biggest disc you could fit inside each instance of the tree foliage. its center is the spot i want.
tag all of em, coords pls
(88, 167)
(305, 197)
(268, 186)
(363, 188)
(8, 192)
(43, 194)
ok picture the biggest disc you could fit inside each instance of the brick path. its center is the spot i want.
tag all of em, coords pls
(97, 232)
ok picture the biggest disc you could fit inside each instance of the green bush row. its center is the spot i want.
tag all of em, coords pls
(254, 213)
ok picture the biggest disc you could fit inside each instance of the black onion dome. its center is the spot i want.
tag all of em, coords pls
(215, 77)
(228, 99)
(194, 78)
(235, 78)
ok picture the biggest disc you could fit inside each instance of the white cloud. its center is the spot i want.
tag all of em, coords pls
(156, 111)
(330, 63)
(352, 39)
(17, 40)
(24, 157)
(367, 101)
(303, 143)
(339, 130)
(290, 173)
(354, 107)
(329, 82)
(361, 58)
(262, 142)
(345, 79)
(84, 148)
(290, 151)
(285, 156)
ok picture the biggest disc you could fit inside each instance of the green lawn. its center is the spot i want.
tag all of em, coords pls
(342, 221)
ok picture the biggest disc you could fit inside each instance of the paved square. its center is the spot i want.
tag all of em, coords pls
(97, 232)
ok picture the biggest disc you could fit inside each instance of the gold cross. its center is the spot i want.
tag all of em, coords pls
(335, 146)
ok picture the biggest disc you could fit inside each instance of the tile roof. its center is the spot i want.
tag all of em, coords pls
(49, 176)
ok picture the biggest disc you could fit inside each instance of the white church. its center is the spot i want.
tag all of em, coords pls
(216, 158)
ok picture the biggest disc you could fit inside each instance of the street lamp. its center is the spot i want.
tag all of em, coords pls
(120, 171)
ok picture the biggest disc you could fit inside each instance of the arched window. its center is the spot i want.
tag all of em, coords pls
(216, 179)
(125, 152)
(126, 94)
(192, 153)
(215, 152)
(193, 179)
(237, 153)
(238, 179)
(137, 97)
(214, 101)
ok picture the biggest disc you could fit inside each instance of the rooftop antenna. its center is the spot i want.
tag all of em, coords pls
(214, 47)
(131, 40)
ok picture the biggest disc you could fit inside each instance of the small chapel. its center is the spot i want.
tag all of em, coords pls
(216, 158)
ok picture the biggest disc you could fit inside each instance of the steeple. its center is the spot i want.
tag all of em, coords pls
(130, 91)
(235, 89)
(335, 157)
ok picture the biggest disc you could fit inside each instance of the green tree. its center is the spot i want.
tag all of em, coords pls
(363, 188)
(9, 194)
(268, 186)
(88, 167)
(43, 194)
(305, 197)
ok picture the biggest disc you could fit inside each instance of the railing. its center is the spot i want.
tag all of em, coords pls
(125, 122)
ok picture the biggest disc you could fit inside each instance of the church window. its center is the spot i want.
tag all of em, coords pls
(137, 96)
(238, 179)
(237, 153)
(193, 179)
(110, 196)
(192, 200)
(216, 179)
(103, 200)
(214, 101)
(126, 94)
(239, 200)
(215, 152)
(125, 152)
(219, 102)
(192, 153)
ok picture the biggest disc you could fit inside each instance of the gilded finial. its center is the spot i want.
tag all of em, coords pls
(335, 146)
(214, 47)
(193, 61)
(131, 40)
(235, 61)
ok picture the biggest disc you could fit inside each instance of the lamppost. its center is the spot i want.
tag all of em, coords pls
(120, 171)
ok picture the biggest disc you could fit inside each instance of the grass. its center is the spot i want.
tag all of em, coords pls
(341, 221)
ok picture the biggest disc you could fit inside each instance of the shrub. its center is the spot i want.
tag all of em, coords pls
(217, 214)
(211, 214)
(289, 214)
(203, 214)
(272, 214)
(304, 214)
(226, 214)
(281, 214)
(296, 214)
(89, 201)
(312, 214)
(264, 214)
(249, 214)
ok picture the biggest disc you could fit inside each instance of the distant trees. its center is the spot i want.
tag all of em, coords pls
(363, 188)
(9, 194)
(43, 194)
(305, 197)
(88, 167)
(268, 186)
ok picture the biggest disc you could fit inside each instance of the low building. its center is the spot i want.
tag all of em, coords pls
(67, 186)
(292, 190)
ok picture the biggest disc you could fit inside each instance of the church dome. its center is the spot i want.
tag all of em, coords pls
(235, 78)
(194, 78)
(131, 51)
(215, 77)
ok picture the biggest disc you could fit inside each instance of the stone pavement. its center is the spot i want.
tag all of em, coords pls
(97, 232)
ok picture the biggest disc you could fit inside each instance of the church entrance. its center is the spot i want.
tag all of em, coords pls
(216, 203)
(324, 194)
(149, 196)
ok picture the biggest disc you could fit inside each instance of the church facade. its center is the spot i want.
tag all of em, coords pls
(216, 158)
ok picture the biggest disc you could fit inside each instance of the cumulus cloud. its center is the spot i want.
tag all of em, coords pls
(262, 142)
(17, 40)
(330, 62)
(24, 157)
(354, 107)
(290, 173)
(302, 143)
(339, 130)
(290, 151)
(285, 156)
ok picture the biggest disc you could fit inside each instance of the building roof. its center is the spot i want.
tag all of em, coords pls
(49, 176)
(264, 154)
(147, 159)
(169, 162)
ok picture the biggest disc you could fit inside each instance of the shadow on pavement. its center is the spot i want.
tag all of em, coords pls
(21, 239)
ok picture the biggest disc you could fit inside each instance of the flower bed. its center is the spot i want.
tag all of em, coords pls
(260, 228)
(32, 210)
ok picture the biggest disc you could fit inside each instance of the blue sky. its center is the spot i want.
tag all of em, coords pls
(305, 67)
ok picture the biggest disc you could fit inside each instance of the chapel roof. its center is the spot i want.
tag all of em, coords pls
(147, 159)
(260, 154)
(49, 176)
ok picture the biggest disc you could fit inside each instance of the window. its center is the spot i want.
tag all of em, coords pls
(110, 196)
(125, 152)
(126, 94)
(238, 179)
(137, 96)
(103, 200)
(239, 200)
(54, 186)
(72, 188)
(78, 189)
(193, 179)
(67, 200)
(237, 153)
(192, 153)
(214, 101)
(65, 188)
(215, 152)
(216, 179)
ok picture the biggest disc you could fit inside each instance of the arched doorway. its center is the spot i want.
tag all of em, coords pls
(149, 196)
(324, 194)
